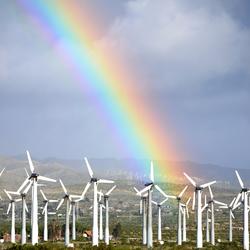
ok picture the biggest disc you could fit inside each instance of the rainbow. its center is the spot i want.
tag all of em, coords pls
(113, 83)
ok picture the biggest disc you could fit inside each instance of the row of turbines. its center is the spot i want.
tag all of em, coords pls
(32, 183)
(209, 206)
(33, 179)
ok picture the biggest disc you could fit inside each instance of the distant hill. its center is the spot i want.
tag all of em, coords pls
(75, 172)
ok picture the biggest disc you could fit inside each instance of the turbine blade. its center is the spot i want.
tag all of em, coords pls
(23, 185)
(17, 200)
(110, 190)
(154, 202)
(85, 189)
(60, 204)
(145, 190)
(163, 201)
(239, 179)
(63, 187)
(211, 193)
(43, 178)
(232, 214)
(13, 192)
(45, 207)
(26, 172)
(53, 201)
(44, 197)
(189, 199)
(152, 171)
(208, 184)
(25, 191)
(220, 203)
(190, 180)
(237, 200)
(51, 213)
(136, 190)
(104, 181)
(88, 167)
(237, 205)
(7, 193)
(205, 199)
(32, 169)
(9, 206)
(182, 192)
(232, 202)
(193, 203)
(202, 209)
(75, 196)
(2, 171)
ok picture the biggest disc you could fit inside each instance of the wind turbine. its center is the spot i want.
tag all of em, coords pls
(244, 192)
(106, 204)
(184, 223)
(67, 198)
(198, 190)
(12, 207)
(149, 188)
(208, 210)
(143, 211)
(93, 180)
(45, 214)
(231, 207)
(24, 210)
(159, 205)
(33, 178)
(101, 206)
(212, 202)
(178, 198)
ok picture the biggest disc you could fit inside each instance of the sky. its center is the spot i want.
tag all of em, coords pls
(194, 56)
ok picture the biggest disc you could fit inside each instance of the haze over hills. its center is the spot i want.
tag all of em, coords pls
(74, 172)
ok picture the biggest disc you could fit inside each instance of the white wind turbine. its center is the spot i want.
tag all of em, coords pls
(184, 222)
(198, 190)
(101, 207)
(106, 204)
(45, 214)
(159, 206)
(149, 188)
(94, 181)
(143, 211)
(13, 214)
(33, 178)
(68, 198)
(178, 198)
(231, 207)
(212, 202)
(24, 210)
(208, 210)
(244, 192)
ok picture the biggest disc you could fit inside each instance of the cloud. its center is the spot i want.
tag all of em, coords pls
(179, 44)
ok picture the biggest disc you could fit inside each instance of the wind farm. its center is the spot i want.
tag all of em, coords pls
(124, 124)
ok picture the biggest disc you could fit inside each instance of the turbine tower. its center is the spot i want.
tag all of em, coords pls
(159, 205)
(143, 211)
(12, 207)
(106, 204)
(94, 181)
(184, 223)
(45, 214)
(198, 190)
(101, 206)
(33, 178)
(244, 192)
(212, 202)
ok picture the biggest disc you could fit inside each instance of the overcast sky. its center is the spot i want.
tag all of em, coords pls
(194, 54)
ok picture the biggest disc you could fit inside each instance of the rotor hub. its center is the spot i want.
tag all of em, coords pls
(148, 184)
(93, 179)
